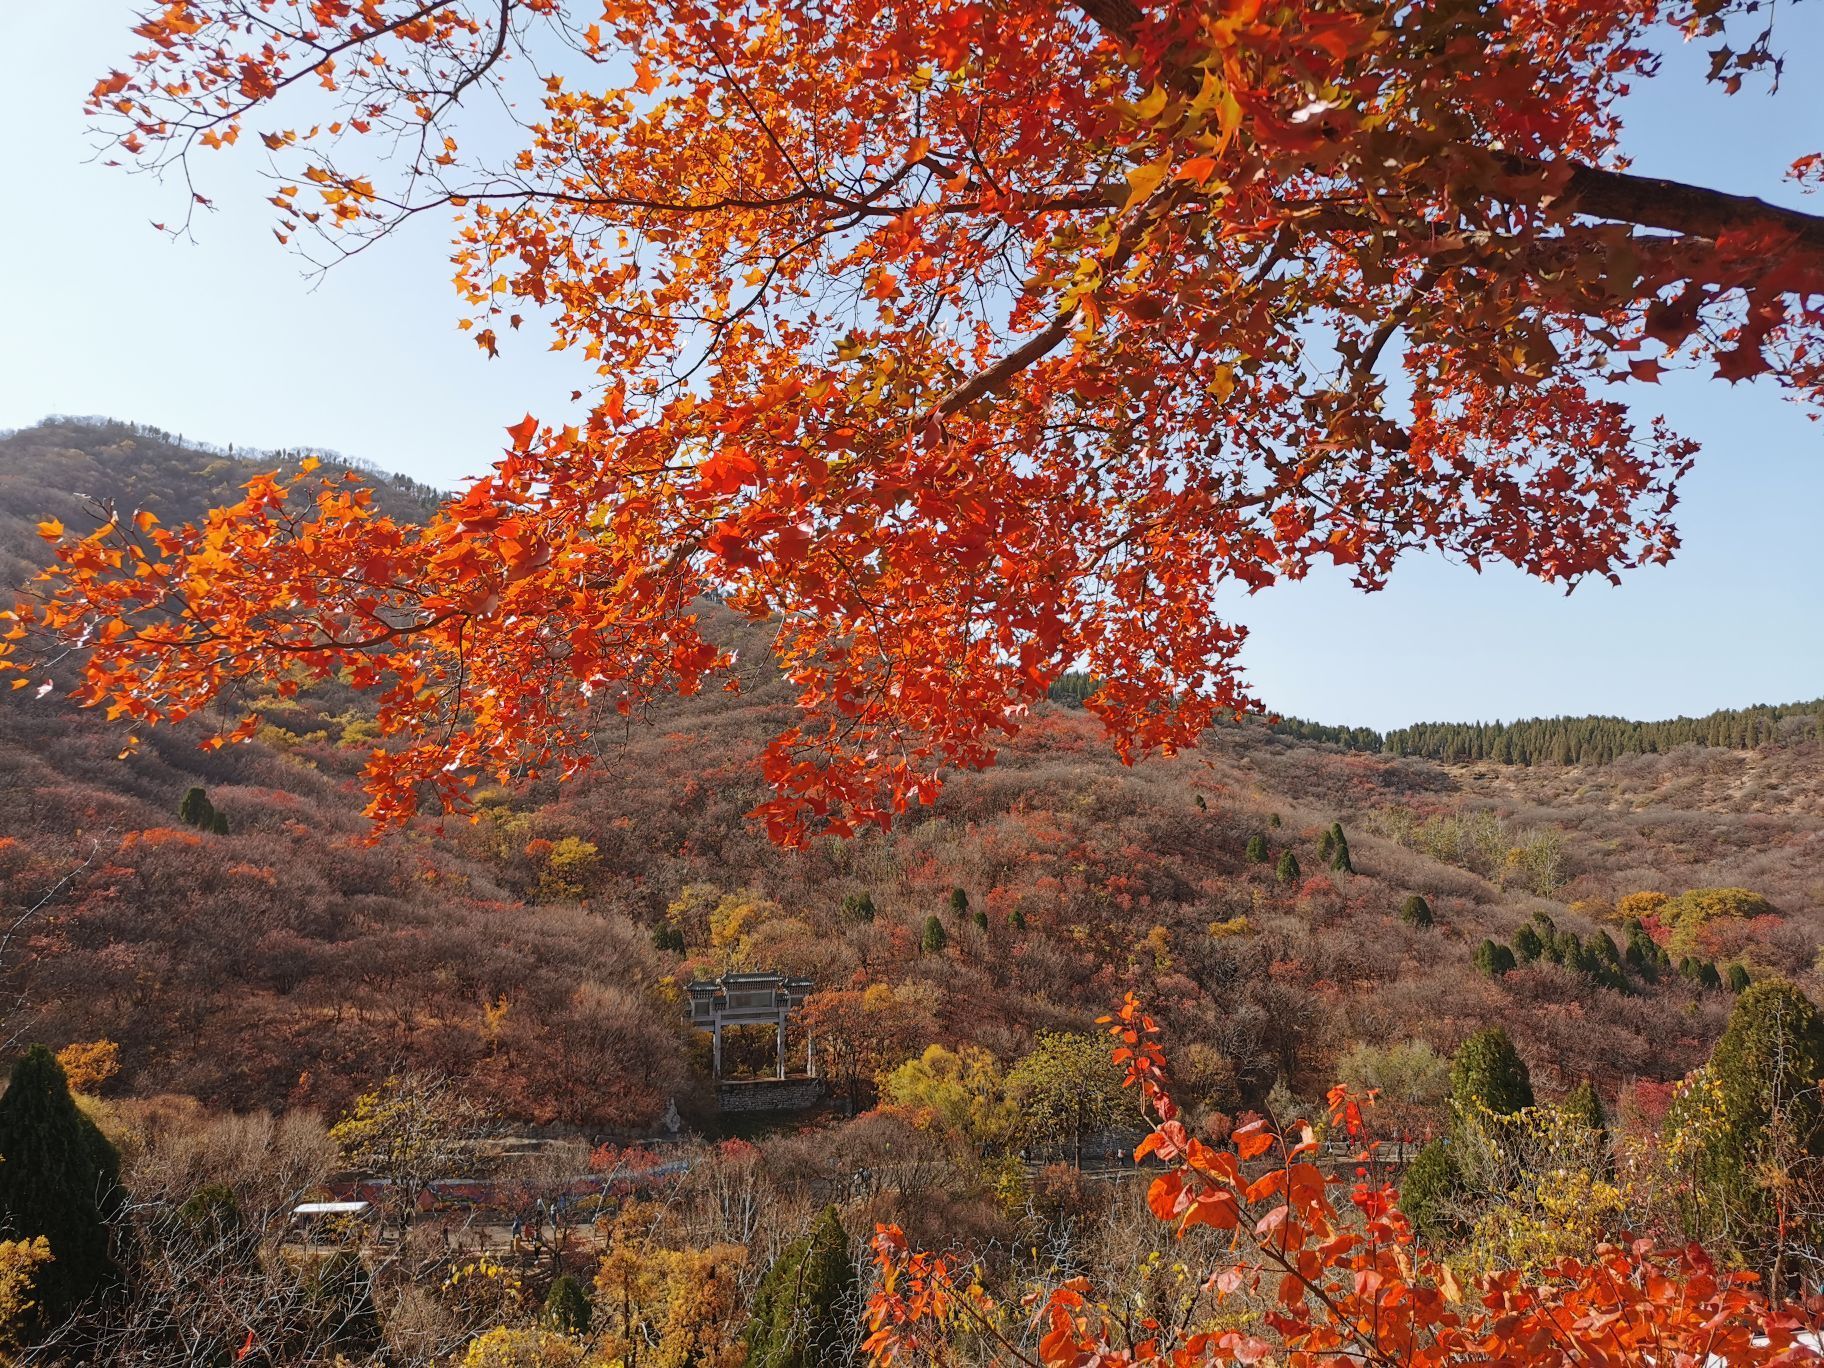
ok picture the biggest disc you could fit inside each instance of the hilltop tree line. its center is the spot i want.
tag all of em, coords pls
(1590, 740)
(1573, 740)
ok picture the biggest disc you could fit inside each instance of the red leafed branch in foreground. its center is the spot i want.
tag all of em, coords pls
(1332, 1285)
(970, 343)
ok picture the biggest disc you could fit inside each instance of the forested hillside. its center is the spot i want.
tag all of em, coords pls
(534, 954)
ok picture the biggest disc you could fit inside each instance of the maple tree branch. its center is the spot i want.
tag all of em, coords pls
(1621, 196)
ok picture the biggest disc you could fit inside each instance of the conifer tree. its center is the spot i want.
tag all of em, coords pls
(981, 919)
(195, 810)
(1257, 850)
(935, 938)
(1326, 845)
(1494, 959)
(959, 902)
(1527, 944)
(567, 1307)
(805, 1306)
(1339, 850)
(1415, 911)
(1287, 872)
(1738, 979)
(1429, 1190)
(1487, 1074)
(1748, 1121)
(1583, 1104)
(218, 822)
(1016, 919)
(60, 1179)
(858, 907)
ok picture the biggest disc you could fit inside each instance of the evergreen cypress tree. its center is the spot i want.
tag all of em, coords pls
(1738, 979)
(1326, 846)
(195, 810)
(1583, 1104)
(1494, 959)
(1287, 872)
(1339, 850)
(935, 937)
(1017, 919)
(1527, 944)
(858, 907)
(981, 919)
(567, 1307)
(959, 902)
(59, 1178)
(804, 1306)
(1487, 1074)
(218, 822)
(1415, 911)
(1429, 1190)
(1257, 850)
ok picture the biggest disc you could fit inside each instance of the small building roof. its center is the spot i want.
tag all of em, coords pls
(329, 1208)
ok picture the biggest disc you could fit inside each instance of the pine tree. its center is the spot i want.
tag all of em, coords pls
(1487, 1074)
(196, 810)
(1326, 846)
(59, 1178)
(1257, 850)
(1016, 919)
(218, 822)
(1738, 979)
(567, 1307)
(959, 902)
(981, 919)
(935, 937)
(1527, 944)
(1415, 911)
(1287, 872)
(805, 1305)
(858, 907)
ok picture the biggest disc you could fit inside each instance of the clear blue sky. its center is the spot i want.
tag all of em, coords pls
(226, 340)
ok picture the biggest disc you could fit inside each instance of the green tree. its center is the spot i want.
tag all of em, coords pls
(218, 822)
(1287, 872)
(1494, 959)
(196, 810)
(59, 1179)
(981, 919)
(1326, 845)
(935, 938)
(1747, 1131)
(1487, 1074)
(959, 902)
(1016, 919)
(1065, 1088)
(1738, 979)
(1257, 850)
(1339, 850)
(1430, 1191)
(805, 1307)
(1528, 944)
(858, 907)
(1415, 911)
(1584, 1105)
(567, 1307)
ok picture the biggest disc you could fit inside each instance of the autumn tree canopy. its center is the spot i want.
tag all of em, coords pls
(971, 342)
